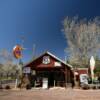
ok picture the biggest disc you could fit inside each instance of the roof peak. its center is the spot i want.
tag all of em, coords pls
(49, 53)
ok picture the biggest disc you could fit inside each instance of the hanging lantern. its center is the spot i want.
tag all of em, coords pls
(17, 51)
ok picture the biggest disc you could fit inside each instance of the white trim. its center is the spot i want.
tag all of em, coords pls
(59, 59)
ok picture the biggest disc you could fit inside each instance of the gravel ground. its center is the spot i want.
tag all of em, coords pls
(50, 94)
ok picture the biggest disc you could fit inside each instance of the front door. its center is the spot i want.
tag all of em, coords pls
(51, 79)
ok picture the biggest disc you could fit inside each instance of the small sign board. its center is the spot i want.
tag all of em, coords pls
(57, 64)
(84, 78)
(26, 70)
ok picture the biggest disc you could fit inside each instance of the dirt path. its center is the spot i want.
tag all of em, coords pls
(51, 94)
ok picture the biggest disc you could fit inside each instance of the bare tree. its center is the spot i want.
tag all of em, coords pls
(6, 59)
(83, 39)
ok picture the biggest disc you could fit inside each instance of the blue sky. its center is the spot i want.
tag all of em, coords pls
(40, 22)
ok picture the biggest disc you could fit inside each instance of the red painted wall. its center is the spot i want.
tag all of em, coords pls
(83, 71)
(38, 63)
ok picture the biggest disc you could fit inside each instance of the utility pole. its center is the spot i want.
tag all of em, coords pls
(33, 51)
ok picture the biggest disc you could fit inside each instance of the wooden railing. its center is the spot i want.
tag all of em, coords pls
(7, 81)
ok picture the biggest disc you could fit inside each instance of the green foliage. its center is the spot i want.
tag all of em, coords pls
(97, 67)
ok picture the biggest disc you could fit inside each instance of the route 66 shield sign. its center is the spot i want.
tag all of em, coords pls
(46, 60)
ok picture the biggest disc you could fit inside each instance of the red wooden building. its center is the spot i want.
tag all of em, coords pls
(82, 71)
(54, 70)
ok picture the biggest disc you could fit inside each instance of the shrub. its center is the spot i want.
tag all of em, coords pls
(28, 86)
(7, 87)
(85, 86)
(1, 87)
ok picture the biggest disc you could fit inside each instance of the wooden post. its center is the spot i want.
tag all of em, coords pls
(65, 78)
(54, 83)
(75, 80)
